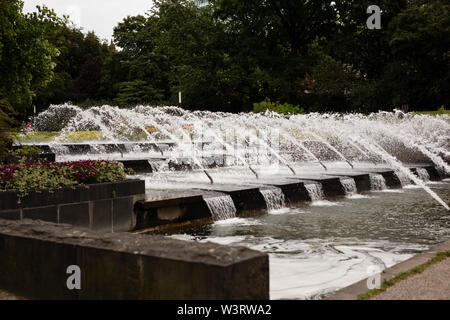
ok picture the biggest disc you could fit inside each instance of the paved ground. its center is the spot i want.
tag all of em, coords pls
(432, 284)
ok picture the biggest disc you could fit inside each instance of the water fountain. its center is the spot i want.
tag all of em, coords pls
(379, 137)
(274, 161)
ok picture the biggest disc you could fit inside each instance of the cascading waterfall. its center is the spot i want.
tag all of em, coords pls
(221, 208)
(349, 185)
(274, 198)
(377, 182)
(159, 166)
(391, 137)
(423, 174)
(403, 178)
(397, 165)
(59, 149)
(315, 191)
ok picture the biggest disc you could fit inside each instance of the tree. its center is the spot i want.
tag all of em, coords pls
(196, 44)
(419, 40)
(79, 66)
(137, 73)
(353, 43)
(273, 42)
(136, 92)
(7, 122)
(26, 57)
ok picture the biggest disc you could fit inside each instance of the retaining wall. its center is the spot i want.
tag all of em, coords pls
(170, 211)
(35, 255)
(103, 206)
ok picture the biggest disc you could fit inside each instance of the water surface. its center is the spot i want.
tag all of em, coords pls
(318, 248)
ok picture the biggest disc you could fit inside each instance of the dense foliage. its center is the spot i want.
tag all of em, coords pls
(28, 176)
(7, 121)
(281, 108)
(27, 59)
(229, 55)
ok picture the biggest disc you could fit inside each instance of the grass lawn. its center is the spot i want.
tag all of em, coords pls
(79, 136)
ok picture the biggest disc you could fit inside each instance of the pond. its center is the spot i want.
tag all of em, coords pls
(323, 246)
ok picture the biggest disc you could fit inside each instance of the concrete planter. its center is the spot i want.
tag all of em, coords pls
(102, 206)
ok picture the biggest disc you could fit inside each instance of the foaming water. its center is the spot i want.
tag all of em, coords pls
(359, 196)
(283, 211)
(237, 221)
(325, 203)
(315, 250)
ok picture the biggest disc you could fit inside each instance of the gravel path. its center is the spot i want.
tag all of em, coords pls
(432, 284)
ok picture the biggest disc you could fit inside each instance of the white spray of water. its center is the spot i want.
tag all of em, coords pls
(383, 136)
(406, 172)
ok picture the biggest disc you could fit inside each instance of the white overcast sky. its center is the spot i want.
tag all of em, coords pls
(100, 16)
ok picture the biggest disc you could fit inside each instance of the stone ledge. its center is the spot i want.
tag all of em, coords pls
(34, 257)
(104, 206)
(89, 192)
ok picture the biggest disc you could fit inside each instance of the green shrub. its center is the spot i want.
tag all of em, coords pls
(277, 107)
(442, 110)
(26, 176)
(26, 149)
(6, 126)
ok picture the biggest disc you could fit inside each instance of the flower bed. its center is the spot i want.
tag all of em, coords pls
(90, 194)
(28, 176)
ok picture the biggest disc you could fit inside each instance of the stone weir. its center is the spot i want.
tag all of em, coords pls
(176, 208)
(42, 260)
(186, 206)
(162, 207)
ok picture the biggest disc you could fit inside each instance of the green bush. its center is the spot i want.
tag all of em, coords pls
(442, 110)
(6, 126)
(278, 107)
(26, 149)
(25, 177)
